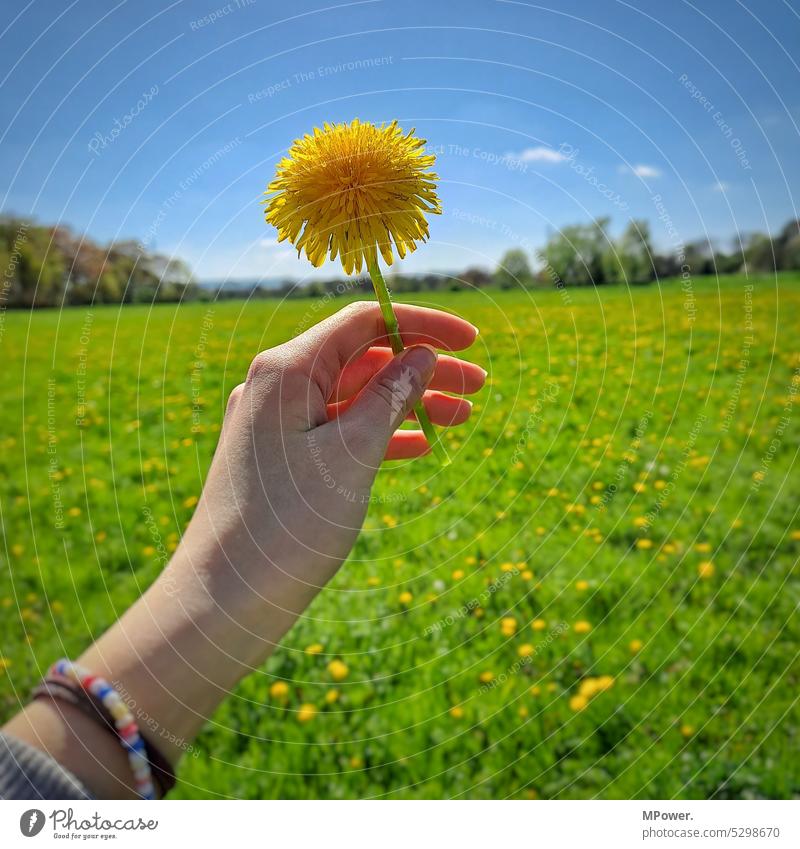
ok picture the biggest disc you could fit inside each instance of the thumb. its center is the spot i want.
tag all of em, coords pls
(388, 398)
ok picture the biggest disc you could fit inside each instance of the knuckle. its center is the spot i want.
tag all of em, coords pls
(359, 308)
(263, 364)
(384, 388)
(236, 394)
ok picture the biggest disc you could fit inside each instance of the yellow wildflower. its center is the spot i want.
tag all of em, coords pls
(337, 670)
(279, 690)
(306, 713)
(351, 190)
(706, 569)
(508, 626)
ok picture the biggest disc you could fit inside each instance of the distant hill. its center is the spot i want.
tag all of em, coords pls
(242, 285)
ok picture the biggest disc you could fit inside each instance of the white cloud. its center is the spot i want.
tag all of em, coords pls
(538, 154)
(721, 186)
(643, 171)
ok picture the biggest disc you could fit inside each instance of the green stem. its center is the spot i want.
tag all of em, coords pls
(393, 331)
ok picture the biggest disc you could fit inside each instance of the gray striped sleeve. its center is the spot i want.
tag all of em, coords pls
(27, 773)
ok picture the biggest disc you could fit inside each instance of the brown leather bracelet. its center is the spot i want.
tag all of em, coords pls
(54, 689)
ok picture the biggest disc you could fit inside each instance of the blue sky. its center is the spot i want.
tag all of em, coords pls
(164, 122)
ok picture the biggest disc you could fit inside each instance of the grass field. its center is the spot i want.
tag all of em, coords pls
(598, 598)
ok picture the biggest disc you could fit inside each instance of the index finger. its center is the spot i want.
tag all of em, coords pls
(346, 335)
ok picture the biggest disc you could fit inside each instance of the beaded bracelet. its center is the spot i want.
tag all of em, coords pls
(126, 727)
(62, 689)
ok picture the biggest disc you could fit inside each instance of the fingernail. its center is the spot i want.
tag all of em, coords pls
(422, 358)
(477, 331)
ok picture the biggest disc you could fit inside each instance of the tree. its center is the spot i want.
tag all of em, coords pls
(787, 245)
(630, 258)
(574, 256)
(759, 253)
(514, 270)
(41, 270)
(476, 278)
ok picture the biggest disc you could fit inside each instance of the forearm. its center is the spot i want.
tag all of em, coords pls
(78, 743)
(186, 643)
(173, 657)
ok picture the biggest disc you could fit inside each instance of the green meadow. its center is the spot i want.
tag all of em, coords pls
(598, 598)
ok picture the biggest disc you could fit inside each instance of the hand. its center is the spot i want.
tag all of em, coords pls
(285, 497)
(304, 436)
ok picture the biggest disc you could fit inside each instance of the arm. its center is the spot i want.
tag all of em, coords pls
(285, 498)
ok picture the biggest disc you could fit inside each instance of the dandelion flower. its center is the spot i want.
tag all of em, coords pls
(706, 569)
(306, 713)
(604, 682)
(577, 703)
(582, 627)
(353, 190)
(338, 670)
(405, 597)
(279, 690)
(635, 646)
(508, 626)
(456, 712)
(526, 650)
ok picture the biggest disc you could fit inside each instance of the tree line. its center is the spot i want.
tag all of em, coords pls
(52, 266)
(586, 255)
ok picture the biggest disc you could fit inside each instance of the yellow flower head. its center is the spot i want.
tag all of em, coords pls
(508, 626)
(578, 702)
(279, 690)
(351, 190)
(306, 713)
(337, 670)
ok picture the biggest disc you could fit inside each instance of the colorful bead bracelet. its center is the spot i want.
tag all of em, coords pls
(124, 721)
